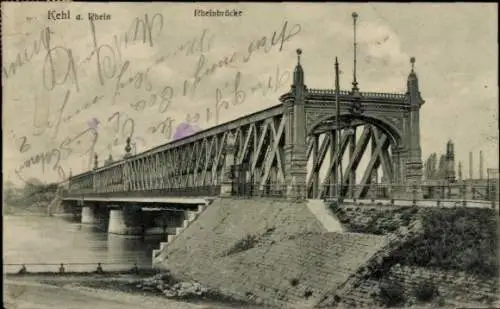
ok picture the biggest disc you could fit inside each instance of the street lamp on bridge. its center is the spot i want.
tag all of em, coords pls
(349, 131)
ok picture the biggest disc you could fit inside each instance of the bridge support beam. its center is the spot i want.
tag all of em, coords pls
(89, 215)
(351, 173)
(229, 161)
(125, 221)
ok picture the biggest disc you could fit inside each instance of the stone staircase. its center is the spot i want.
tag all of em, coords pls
(191, 216)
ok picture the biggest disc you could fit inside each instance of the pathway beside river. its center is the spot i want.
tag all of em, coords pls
(71, 292)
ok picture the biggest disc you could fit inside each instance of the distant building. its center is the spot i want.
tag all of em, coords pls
(445, 170)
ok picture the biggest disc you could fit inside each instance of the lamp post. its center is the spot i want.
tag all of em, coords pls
(339, 142)
(349, 132)
(354, 82)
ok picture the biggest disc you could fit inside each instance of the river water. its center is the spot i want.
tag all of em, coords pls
(54, 240)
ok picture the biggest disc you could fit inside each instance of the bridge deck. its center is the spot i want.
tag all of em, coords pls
(158, 199)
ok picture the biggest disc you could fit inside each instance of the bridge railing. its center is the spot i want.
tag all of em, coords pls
(451, 193)
(248, 189)
(435, 192)
(457, 194)
(370, 95)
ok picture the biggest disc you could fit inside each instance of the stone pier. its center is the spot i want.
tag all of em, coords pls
(125, 221)
(89, 215)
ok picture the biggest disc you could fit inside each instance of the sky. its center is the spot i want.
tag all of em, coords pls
(79, 89)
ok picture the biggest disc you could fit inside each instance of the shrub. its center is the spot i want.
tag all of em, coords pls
(294, 282)
(308, 294)
(391, 293)
(456, 239)
(334, 206)
(425, 291)
(244, 244)
(344, 220)
(441, 301)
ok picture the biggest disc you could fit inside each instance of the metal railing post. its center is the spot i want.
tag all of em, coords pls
(391, 193)
(463, 189)
(414, 195)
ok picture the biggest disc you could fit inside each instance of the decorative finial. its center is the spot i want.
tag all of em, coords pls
(299, 52)
(127, 147)
(110, 159)
(96, 163)
(354, 15)
(412, 61)
(337, 84)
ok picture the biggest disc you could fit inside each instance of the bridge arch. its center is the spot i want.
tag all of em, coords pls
(390, 129)
(385, 136)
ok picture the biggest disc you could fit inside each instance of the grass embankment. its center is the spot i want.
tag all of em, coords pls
(461, 239)
(453, 239)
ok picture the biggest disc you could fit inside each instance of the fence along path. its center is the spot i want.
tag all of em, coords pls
(20, 268)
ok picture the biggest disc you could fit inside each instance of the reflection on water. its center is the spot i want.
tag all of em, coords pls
(37, 240)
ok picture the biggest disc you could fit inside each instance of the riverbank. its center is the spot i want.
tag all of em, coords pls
(63, 292)
(32, 210)
(26, 294)
(159, 291)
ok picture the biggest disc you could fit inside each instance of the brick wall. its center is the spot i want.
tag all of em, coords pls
(293, 260)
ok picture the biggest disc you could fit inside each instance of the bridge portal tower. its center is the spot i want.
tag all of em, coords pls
(295, 148)
(413, 177)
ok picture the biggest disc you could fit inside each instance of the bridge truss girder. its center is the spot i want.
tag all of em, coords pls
(317, 153)
(204, 162)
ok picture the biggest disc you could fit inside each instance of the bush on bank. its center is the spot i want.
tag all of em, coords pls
(460, 239)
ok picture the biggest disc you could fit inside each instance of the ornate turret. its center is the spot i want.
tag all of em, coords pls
(109, 161)
(295, 149)
(127, 148)
(412, 85)
(298, 73)
(450, 151)
(414, 100)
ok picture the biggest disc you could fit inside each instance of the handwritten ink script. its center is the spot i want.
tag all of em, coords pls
(90, 100)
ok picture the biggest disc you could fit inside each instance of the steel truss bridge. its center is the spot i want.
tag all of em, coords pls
(268, 151)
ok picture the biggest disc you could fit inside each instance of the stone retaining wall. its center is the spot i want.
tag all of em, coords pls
(288, 258)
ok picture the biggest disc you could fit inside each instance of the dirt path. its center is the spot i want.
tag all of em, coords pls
(30, 294)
